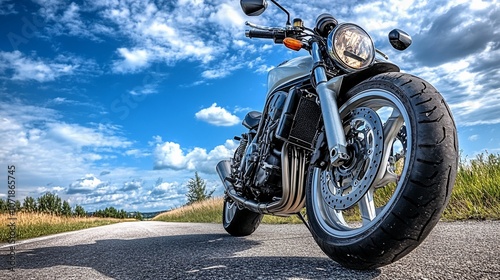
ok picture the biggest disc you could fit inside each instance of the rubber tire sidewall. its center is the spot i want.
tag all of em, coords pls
(392, 237)
(244, 221)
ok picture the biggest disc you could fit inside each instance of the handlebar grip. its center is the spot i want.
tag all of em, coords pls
(260, 34)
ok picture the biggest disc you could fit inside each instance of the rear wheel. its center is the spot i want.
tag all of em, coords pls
(386, 199)
(239, 222)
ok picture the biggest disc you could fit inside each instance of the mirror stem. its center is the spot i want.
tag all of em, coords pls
(283, 9)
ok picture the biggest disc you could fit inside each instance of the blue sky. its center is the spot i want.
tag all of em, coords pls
(118, 103)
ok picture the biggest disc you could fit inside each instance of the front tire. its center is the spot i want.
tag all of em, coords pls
(239, 222)
(403, 187)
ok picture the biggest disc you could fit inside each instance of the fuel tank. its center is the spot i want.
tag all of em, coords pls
(288, 71)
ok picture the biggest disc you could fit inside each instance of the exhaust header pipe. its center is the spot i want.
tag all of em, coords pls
(293, 195)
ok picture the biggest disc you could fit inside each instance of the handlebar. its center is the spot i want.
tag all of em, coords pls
(265, 32)
(277, 35)
(260, 34)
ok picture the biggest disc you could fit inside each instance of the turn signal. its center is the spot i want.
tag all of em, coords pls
(292, 44)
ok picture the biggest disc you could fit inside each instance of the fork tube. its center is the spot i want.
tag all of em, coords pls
(327, 93)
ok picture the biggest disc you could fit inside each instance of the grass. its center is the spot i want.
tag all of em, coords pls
(476, 195)
(30, 225)
(210, 211)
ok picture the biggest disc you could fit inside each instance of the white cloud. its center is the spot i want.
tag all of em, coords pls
(137, 153)
(79, 136)
(170, 155)
(215, 73)
(228, 16)
(25, 68)
(48, 150)
(58, 189)
(217, 116)
(473, 138)
(133, 60)
(180, 31)
(166, 190)
(160, 35)
(20, 67)
(89, 183)
(132, 185)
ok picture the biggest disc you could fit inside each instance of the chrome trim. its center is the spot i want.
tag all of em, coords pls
(293, 183)
(327, 93)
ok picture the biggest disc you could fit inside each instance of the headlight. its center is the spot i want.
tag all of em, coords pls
(351, 47)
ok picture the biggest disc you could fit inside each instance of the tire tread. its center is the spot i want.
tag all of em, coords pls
(428, 185)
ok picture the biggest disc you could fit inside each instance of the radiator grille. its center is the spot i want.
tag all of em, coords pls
(305, 123)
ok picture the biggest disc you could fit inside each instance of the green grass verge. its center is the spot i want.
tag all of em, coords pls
(476, 195)
(210, 211)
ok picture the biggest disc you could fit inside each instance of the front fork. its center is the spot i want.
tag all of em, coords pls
(327, 93)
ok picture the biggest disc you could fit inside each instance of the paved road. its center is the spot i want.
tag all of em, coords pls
(157, 250)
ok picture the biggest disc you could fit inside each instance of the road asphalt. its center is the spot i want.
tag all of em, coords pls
(159, 250)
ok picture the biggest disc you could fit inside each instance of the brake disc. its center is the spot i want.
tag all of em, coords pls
(345, 185)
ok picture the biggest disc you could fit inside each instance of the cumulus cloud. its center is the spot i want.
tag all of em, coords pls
(165, 190)
(87, 184)
(170, 155)
(133, 60)
(228, 16)
(197, 31)
(49, 148)
(217, 116)
(159, 33)
(132, 185)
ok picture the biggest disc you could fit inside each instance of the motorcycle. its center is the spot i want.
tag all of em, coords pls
(370, 153)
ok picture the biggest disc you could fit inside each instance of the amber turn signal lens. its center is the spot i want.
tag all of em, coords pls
(292, 44)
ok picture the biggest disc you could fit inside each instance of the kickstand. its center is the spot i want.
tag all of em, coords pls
(304, 221)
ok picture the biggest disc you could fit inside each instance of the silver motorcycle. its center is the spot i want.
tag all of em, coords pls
(370, 153)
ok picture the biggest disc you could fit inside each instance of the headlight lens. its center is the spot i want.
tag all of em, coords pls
(351, 47)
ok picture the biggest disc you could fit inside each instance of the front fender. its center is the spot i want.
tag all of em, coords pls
(352, 79)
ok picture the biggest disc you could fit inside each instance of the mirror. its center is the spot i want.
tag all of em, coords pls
(253, 7)
(399, 39)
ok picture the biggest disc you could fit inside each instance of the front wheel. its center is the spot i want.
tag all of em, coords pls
(239, 222)
(383, 202)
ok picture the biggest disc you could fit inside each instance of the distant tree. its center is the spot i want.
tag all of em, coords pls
(98, 213)
(139, 216)
(122, 214)
(3, 206)
(79, 211)
(66, 209)
(17, 205)
(49, 203)
(29, 204)
(197, 190)
(58, 206)
(111, 212)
